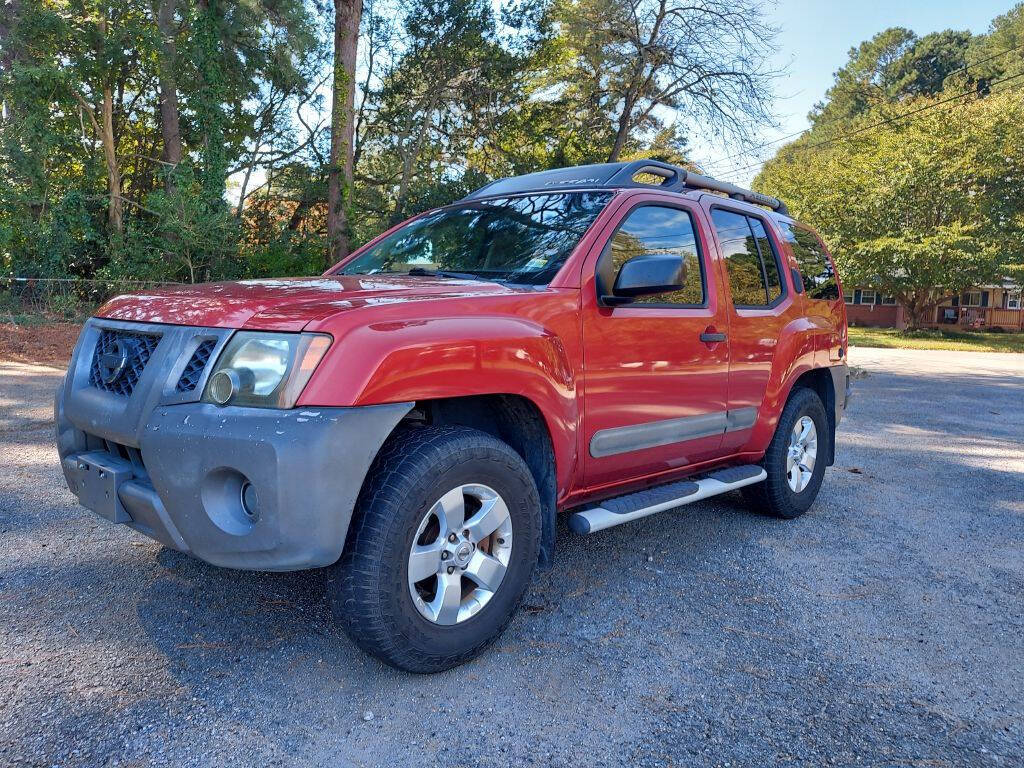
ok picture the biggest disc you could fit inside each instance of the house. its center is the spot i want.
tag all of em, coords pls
(988, 306)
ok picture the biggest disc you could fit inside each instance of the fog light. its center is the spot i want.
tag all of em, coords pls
(250, 502)
(224, 385)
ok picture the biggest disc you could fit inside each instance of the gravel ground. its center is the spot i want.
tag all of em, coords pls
(884, 628)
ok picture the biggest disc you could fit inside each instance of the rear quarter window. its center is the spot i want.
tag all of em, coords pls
(813, 262)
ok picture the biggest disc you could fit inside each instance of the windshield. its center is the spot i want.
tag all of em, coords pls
(514, 239)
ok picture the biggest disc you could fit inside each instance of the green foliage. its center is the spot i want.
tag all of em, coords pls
(895, 65)
(919, 207)
(182, 237)
(241, 67)
(452, 94)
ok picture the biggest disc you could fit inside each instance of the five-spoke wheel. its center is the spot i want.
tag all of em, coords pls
(803, 450)
(460, 554)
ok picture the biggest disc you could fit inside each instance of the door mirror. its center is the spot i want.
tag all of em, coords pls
(647, 275)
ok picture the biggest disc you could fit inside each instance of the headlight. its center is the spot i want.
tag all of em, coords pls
(267, 370)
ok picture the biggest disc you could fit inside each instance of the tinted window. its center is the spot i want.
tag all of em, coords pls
(742, 258)
(814, 264)
(768, 258)
(653, 230)
(515, 239)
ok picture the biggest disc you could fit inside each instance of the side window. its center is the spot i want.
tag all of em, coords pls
(812, 260)
(654, 230)
(749, 278)
(768, 258)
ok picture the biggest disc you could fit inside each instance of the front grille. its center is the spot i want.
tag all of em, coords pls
(196, 365)
(119, 359)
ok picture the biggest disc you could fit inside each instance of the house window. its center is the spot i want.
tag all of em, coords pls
(889, 301)
(867, 297)
(1012, 300)
(972, 299)
(847, 297)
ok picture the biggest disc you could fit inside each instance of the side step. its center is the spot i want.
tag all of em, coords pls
(633, 506)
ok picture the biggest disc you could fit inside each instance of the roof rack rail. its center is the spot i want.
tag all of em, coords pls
(674, 179)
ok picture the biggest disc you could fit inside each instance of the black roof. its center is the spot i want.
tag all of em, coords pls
(620, 175)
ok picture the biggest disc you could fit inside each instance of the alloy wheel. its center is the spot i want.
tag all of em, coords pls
(802, 452)
(460, 554)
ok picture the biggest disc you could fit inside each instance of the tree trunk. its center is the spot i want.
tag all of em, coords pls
(170, 125)
(347, 14)
(622, 133)
(116, 211)
(243, 190)
(410, 156)
(626, 118)
(918, 304)
(10, 13)
(210, 102)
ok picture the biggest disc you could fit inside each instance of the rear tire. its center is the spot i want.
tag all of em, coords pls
(441, 548)
(789, 490)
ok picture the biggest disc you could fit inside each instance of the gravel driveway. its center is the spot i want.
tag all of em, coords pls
(884, 628)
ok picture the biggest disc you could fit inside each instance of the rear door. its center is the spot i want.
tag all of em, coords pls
(762, 303)
(654, 392)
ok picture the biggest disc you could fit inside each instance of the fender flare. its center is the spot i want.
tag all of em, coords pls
(452, 357)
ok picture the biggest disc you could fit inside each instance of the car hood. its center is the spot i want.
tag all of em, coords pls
(284, 304)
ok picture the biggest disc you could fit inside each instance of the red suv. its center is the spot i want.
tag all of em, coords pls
(578, 341)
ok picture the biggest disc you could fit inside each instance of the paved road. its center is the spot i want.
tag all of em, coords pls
(884, 628)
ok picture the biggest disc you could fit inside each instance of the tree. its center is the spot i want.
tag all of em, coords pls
(895, 65)
(920, 208)
(632, 60)
(925, 68)
(347, 14)
(170, 121)
(437, 116)
(1000, 53)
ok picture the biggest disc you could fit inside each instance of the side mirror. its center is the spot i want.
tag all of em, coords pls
(645, 276)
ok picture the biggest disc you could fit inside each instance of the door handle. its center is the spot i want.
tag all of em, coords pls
(711, 338)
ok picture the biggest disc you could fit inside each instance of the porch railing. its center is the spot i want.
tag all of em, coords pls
(980, 317)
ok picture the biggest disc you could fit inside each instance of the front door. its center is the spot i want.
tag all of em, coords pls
(654, 391)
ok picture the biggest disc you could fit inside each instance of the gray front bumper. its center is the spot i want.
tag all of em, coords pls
(177, 468)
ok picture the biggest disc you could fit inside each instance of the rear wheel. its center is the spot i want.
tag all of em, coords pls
(795, 459)
(441, 547)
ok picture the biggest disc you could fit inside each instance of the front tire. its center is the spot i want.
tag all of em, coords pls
(795, 459)
(440, 550)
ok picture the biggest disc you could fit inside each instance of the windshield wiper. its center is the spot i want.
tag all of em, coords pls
(421, 272)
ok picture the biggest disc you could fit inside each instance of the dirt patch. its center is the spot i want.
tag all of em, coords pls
(47, 343)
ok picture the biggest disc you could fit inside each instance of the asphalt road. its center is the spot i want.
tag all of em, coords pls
(884, 628)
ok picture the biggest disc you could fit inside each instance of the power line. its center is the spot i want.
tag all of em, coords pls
(887, 121)
(718, 161)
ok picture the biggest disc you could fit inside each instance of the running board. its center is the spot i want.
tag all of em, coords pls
(633, 506)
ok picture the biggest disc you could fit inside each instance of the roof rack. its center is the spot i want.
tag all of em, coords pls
(674, 179)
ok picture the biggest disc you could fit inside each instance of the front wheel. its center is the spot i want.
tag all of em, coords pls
(795, 459)
(441, 548)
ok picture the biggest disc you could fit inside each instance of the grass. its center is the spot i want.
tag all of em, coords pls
(963, 341)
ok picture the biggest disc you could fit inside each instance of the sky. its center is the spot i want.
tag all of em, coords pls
(814, 41)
